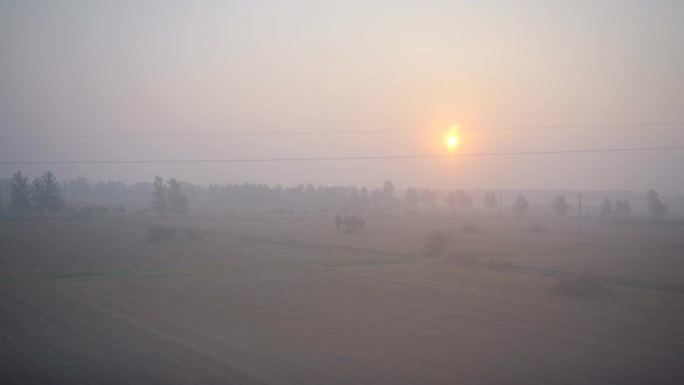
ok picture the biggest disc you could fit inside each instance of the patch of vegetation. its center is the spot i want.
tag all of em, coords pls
(470, 228)
(437, 243)
(582, 285)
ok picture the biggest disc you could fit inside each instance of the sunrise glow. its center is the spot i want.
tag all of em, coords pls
(451, 140)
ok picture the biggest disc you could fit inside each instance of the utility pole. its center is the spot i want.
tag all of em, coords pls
(579, 215)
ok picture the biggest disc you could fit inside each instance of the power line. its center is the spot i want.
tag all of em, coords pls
(337, 132)
(342, 158)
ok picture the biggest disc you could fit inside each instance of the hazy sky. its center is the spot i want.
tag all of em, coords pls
(119, 67)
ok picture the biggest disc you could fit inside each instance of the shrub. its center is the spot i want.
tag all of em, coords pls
(158, 233)
(582, 286)
(437, 242)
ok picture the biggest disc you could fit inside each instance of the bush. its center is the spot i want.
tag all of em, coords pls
(158, 233)
(437, 242)
(582, 286)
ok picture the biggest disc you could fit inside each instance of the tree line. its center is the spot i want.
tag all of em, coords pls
(42, 195)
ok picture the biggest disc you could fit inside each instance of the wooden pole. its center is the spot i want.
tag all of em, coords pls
(579, 215)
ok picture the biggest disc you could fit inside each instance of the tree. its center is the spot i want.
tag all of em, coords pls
(521, 206)
(360, 200)
(20, 194)
(411, 197)
(45, 193)
(490, 200)
(657, 208)
(451, 200)
(428, 197)
(464, 200)
(376, 197)
(606, 209)
(437, 242)
(388, 192)
(560, 206)
(177, 202)
(622, 209)
(159, 199)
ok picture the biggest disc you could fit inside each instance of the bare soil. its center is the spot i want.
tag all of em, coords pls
(266, 300)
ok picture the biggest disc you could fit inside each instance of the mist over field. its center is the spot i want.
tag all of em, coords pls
(349, 192)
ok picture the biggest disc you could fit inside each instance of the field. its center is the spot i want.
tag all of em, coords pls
(264, 298)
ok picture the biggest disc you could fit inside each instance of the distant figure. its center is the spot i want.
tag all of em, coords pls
(362, 223)
(338, 222)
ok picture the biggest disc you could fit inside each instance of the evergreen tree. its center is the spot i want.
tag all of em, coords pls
(45, 193)
(20, 194)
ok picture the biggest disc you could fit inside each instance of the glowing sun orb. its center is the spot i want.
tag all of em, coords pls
(452, 139)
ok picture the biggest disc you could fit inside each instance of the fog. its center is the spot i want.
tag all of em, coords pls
(358, 192)
(74, 68)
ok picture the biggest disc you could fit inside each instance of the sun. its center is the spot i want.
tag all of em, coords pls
(451, 140)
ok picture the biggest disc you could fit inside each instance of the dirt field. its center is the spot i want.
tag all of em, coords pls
(290, 301)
